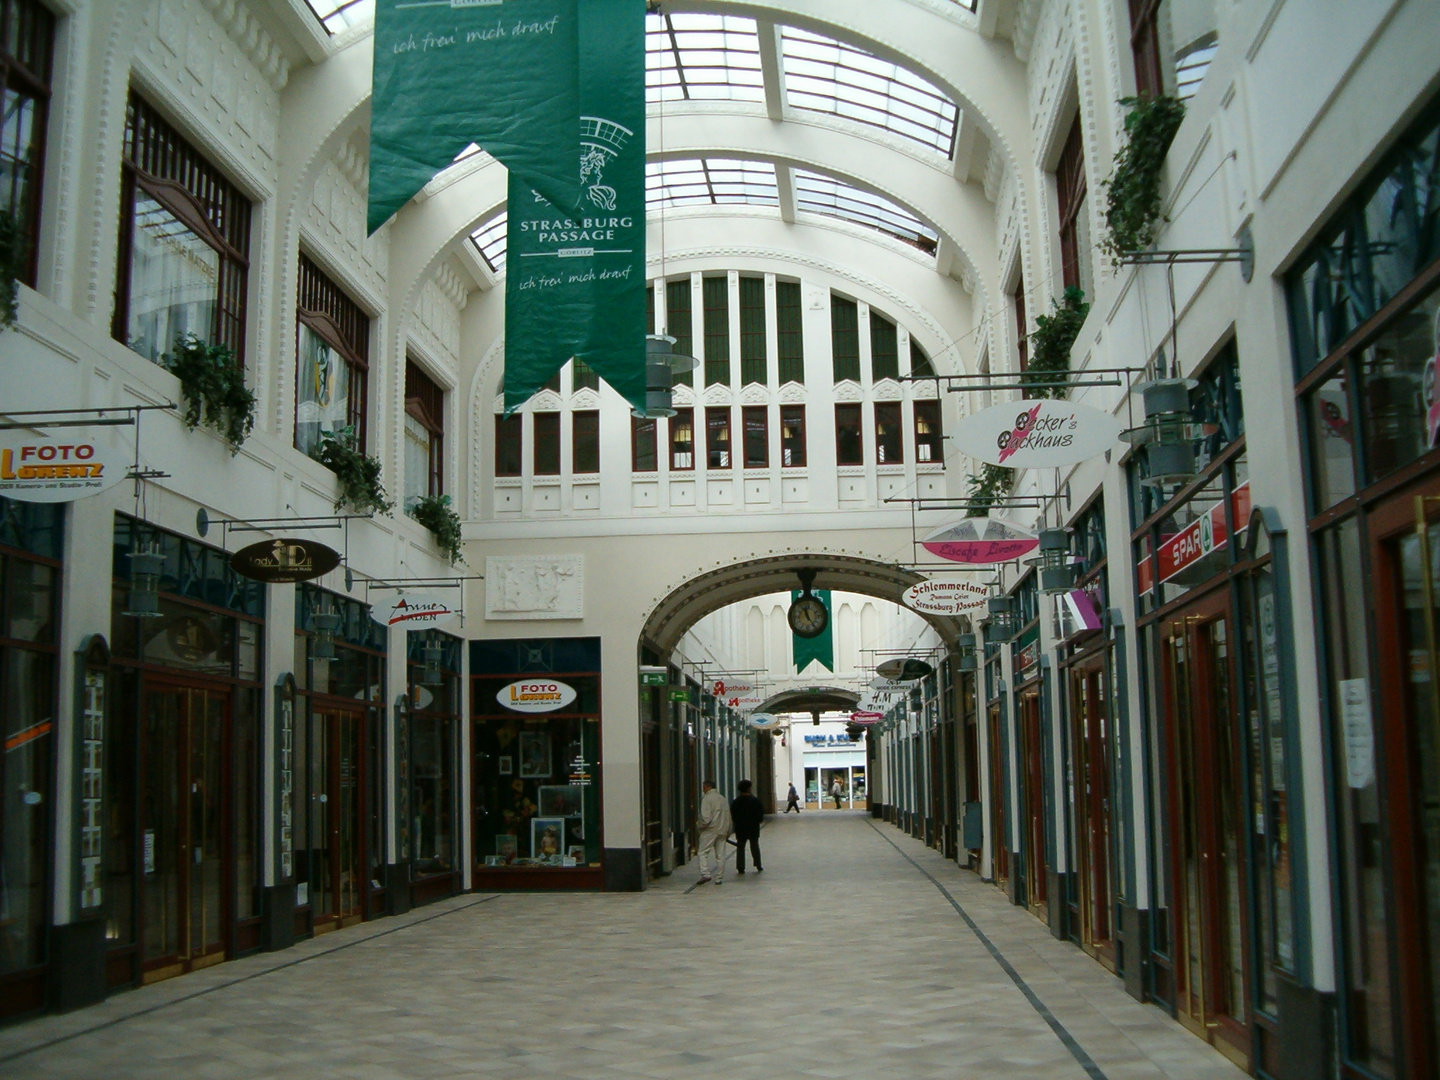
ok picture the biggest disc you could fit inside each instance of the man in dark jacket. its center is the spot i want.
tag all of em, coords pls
(747, 813)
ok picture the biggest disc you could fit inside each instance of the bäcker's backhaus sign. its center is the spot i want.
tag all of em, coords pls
(536, 695)
(57, 470)
(1037, 434)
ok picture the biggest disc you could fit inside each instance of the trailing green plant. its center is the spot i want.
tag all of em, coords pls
(987, 487)
(12, 257)
(1052, 341)
(214, 389)
(433, 511)
(1133, 190)
(359, 474)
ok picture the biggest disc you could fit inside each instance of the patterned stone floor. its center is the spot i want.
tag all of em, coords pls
(841, 960)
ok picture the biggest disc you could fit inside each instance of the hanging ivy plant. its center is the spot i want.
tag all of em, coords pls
(987, 487)
(12, 255)
(214, 389)
(1133, 190)
(433, 511)
(359, 474)
(1052, 341)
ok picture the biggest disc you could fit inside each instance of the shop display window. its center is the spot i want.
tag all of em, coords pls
(434, 745)
(1331, 441)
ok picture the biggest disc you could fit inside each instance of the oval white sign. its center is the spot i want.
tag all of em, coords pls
(414, 611)
(980, 540)
(1037, 434)
(536, 695)
(946, 597)
(764, 720)
(53, 470)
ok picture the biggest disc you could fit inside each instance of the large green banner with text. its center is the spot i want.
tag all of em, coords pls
(575, 280)
(448, 73)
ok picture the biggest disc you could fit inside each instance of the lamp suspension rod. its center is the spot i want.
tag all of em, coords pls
(1186, 255)
(398, 584)
(1038, 384)
(989, 374)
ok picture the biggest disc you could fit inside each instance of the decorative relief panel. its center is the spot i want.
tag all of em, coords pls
(683, 396)
(849, 390)
(792, 393)
(719, 394)
(755, 394)
(545, 401)
(925, 390)
(535, 587)
(585, 399)
(886, 390)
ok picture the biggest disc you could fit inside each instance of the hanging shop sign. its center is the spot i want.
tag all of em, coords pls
(729, 688)
(415, 611)
(52, 470)
(946, 597)
(764, 721)
(907, 669)
(1037, 434)
(743, 701)
(286, 559)
(980, 541)
(865, 717)
(1193, 554)
(1077, 614)
(536, 695)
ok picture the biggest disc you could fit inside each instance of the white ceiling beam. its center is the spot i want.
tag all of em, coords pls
(987, 15)
(771, 72)
(962, 160)
(785, 188)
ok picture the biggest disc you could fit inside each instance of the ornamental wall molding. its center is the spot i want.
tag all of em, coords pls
(792, 393)
(755, 394)
(886, 390)
(585, 398)
(848, 390)
(546, 401)
(245, 31)
(683, 395)
(719, 394)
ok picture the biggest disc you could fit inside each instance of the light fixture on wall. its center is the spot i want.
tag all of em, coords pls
(146, 563)
(431, 653)
(1169, 433)
(662, 364)
(1002, 617)
(323, 624)
(965, 647)
(1057, 573)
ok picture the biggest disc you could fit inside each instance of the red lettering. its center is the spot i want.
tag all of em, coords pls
(47, 453)
(85, 452)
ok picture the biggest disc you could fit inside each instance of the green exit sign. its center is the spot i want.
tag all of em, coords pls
(679, 693)
(653, 678)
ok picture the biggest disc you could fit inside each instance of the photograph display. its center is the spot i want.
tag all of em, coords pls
(534, 754)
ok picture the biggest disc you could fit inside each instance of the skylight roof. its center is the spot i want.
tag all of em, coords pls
(489, 239)
(337, 15)
(709, 182)
(702, 58)
(832, 198)
(827, 76)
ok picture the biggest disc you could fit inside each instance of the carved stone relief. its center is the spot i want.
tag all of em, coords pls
(535, 587)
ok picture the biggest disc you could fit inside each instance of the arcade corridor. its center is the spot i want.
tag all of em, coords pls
(848, 957)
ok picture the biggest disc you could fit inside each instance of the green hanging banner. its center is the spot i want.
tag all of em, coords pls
(575, 282)
(500, 73)
(822, 646)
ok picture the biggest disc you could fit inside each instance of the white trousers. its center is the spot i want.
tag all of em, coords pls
(712, 855)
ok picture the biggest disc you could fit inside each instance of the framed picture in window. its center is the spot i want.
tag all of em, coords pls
(507, 847)
(534, 755)
(559, 801)
(505, 765)
(547, 837)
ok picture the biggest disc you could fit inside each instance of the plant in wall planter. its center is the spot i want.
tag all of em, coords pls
(359, 474)
(1133, 190)
(214, 389)
(433, 511)
(987, 487)
(1052, 341)
(12, 254)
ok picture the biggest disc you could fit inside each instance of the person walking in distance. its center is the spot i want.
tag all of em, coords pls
(747, 813)
(792, 800)
(713, 827)
(836, 791)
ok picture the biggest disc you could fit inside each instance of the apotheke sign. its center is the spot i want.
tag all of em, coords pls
(52, 470)
(536, 695)
(1045, 433)
(414, 611)
(946, 597)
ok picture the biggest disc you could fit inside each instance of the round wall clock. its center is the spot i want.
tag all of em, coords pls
(808, 616)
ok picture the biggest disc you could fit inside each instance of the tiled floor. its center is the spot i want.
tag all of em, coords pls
(841, 960)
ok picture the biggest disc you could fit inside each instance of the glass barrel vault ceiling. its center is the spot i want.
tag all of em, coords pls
(818, 194)
(338, 15)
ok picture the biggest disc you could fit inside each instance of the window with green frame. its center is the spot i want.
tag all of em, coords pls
(678, 324)
(920, 364)
(715, 292)
(884, 348)
(789, 332)
(845, 338)
(583, 376)
(752, 331)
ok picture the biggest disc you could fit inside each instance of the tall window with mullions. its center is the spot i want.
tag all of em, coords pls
(27, 42)
(716, 292)
(752, 331)
(789, 332)
(678, 324)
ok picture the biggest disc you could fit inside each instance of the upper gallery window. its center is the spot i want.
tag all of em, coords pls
(643, 442)
(755, 420)
(184, 245)
(585, 442)
(845, 338)
(889, 438)
(424, 434)
(682, 440)
(849, 441)
(884, 348)
(509, 450)
(717, 437)
(1190, 40)
(1076, 266)
(792, 436)
(547, 444)
(678, 324)
(929, 446)
(790, 332)
(716, 292)
(920, 364)
(332, 361)
(752, 331)
(27, 42)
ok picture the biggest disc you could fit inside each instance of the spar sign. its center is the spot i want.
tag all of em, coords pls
(1039, 434)
(536, 695)
(1187, 557)
(50, 471)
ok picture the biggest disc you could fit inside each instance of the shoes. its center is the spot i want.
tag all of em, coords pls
(702, 881)
(758, 870)
(739, 871)
(718, 883)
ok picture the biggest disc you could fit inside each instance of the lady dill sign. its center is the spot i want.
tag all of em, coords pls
(1037, 434)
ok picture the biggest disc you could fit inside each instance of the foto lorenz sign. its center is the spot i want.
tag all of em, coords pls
(1038, 434)
(53, 470)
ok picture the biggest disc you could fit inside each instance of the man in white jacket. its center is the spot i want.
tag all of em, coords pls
(713, 825)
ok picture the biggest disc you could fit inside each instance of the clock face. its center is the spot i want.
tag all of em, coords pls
(808, 617)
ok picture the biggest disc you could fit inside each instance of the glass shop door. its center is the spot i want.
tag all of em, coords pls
(337, 799)
(999, 846)
(1032, 805)
(1207, 842)
(183, 815)
(1090, 737)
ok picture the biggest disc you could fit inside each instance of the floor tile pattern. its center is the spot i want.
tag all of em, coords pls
(841, 960)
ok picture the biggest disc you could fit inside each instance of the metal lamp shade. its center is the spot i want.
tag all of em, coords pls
(324, 624)
(146, 564)
(965, 645)
(661, 364)
(1056, 574)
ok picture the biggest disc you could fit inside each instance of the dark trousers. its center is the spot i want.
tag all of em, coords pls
(740, 842)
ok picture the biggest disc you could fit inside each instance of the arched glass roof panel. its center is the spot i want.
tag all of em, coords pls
(709, 182)
(702, 58)
(489, 239)
(338, 15)
(818, 194)
(829, 76)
